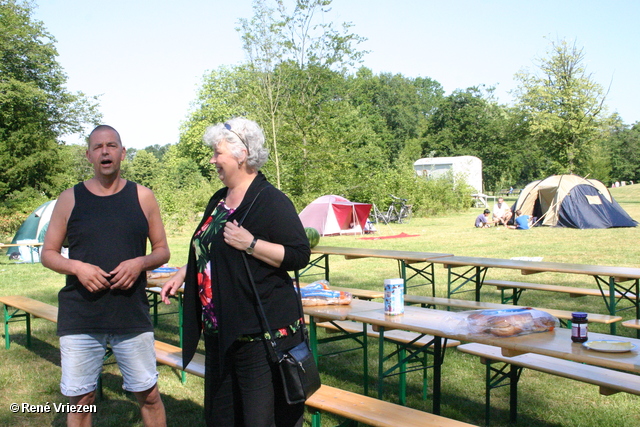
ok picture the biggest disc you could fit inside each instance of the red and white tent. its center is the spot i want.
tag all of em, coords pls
(332, 215)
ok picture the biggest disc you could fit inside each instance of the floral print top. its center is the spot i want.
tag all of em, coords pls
(201, 244)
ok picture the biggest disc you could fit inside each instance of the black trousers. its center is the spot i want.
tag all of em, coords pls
(247, 390)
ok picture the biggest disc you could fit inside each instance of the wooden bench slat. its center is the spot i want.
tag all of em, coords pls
(171, 355)
(609, 380)
(374, 412)
(477, 305)
(633, 323)
(31, 306)
(573, 291)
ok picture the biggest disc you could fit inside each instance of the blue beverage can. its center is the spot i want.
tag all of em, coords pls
(393, 297)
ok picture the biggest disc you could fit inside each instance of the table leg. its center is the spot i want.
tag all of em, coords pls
(437, 373)
(313, 338)
(612, 303)
(427, 273)
(636, 288)
(315, 263)
(28, 319)
(365, 359)
(180, 330)
(473, 275)
(380, 360)
(402, 381)
(7, 317)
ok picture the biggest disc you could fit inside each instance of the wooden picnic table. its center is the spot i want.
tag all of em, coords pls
(609, 279)
(406, 261)
(441, 324)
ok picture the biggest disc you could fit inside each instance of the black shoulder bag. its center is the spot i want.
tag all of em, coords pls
(298, 369)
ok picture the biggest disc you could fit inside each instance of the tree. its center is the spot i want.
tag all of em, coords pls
(291, 55)
(398, 107)
(624, 148)
(143, 169)
(470, 123)
(563, 107)
(264, 43)
(35, 107)
(219, 98)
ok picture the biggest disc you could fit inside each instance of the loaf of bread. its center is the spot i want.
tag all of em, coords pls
(510, 322)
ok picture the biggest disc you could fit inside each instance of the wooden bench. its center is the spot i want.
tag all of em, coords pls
(25, 307)
(633, 323)
(353, 406)
(398, 337)
(609, 381)
(476, 305)
(519, 287)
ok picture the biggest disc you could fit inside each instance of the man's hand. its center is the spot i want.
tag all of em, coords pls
(126, 273)
(93, 277)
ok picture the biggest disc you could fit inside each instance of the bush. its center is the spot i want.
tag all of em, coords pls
(427, 196)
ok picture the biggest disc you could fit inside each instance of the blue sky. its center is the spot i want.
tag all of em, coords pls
(146, 58)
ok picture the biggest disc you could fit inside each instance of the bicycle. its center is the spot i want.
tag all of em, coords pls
(398, 211)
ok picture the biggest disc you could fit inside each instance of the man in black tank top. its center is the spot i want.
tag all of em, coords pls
(107, 221)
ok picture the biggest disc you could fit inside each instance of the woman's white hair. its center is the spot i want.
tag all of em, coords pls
(240, 134)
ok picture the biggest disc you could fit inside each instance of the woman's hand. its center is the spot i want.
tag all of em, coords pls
(236, 236)
(239, 238)
(170, 288)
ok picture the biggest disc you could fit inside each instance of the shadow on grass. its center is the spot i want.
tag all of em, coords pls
(41, 348)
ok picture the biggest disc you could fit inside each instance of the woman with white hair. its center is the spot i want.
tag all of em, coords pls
(250, 216)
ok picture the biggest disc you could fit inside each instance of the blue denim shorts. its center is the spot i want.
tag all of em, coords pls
(82, 358)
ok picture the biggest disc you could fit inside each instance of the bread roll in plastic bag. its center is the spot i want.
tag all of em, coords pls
(510, 322)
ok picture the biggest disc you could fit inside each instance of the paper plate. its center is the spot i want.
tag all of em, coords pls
(609, 346)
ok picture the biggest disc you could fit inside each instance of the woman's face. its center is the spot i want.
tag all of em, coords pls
(224, 161)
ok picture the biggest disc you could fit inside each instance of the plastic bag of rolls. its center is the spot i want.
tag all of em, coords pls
(510, 322)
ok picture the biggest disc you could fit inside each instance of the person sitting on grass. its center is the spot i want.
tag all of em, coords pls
(482, 220)
(501, 212)
(522, 222)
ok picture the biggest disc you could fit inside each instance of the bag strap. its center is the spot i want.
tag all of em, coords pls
(273, 348)
(273, 353)
(249, 208)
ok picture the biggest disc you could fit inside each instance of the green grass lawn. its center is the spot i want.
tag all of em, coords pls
(31, 375)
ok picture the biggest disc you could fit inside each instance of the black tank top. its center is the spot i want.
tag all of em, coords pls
(105, 231)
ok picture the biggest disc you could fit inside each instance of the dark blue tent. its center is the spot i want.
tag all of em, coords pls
(572, 201)
(576, 212)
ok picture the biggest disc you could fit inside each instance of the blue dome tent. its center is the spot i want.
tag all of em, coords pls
(572, 201)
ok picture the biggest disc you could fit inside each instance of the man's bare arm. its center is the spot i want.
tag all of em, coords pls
(92, 277)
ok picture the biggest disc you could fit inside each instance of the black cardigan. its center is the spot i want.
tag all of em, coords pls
(272, 218)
